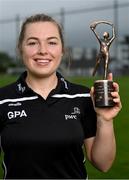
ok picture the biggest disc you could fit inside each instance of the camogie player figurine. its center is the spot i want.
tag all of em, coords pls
(103, 88)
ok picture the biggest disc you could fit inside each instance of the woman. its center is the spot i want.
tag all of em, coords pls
(45, 119)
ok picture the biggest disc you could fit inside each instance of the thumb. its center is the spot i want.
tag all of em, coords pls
(110, 77)
(92, 94)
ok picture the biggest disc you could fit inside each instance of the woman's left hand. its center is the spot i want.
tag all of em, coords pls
(111, 112)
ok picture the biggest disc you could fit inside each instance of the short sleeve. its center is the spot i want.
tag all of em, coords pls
(89, 118)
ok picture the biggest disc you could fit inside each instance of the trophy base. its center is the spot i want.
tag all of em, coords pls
(102, 93)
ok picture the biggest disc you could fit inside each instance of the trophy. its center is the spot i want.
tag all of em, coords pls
(104, 87)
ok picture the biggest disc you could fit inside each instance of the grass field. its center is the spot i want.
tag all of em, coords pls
(120, 168)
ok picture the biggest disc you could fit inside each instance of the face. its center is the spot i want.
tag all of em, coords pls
(106, 35)
(41, 49)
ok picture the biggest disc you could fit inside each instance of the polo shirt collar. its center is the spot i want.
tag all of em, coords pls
(63, 85)
(22, 87)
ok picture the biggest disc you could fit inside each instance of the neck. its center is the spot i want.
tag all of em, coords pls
(42, 86)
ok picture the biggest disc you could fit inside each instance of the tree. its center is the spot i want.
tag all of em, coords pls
(5, 62)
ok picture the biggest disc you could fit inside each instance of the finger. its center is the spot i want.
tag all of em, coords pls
(110, 76)
(116, 97)
(116, 100)
(92, 91)
(115, 94)
(92, 94)
(116, 86)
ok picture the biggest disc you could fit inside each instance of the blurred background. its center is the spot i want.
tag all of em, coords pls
(82, 47)
(75, 17)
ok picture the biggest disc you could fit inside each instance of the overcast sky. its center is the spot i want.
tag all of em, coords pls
(77, 30)
(9, 8)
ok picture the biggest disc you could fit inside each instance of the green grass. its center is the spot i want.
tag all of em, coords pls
(120, 168)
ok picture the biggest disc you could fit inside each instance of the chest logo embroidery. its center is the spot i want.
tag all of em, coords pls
(15, 114)
(15, 104)
(73, 115)
(76, 110)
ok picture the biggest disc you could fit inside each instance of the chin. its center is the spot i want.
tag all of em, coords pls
(43, 74)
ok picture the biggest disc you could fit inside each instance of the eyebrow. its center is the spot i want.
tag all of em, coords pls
(49, 38)
(52, 38)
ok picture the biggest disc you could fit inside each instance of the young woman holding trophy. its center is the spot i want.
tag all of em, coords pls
(45, 119)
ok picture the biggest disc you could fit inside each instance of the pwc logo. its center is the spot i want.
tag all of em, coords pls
(15, 114)
(73, 115)
(67, 117)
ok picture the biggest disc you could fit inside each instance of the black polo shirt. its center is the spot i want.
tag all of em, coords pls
(43, 139)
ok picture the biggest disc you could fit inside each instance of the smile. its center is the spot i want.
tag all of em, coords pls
(42, 61)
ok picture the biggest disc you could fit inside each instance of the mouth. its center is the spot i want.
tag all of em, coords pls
(42, 61)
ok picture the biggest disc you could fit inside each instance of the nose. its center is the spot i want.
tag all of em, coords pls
(42, 48)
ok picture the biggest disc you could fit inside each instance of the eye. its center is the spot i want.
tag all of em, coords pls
(32, 43)
(52, 43)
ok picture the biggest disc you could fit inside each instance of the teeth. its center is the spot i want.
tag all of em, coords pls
(42, 61)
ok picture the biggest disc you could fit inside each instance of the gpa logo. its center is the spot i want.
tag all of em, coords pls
(15, 114)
